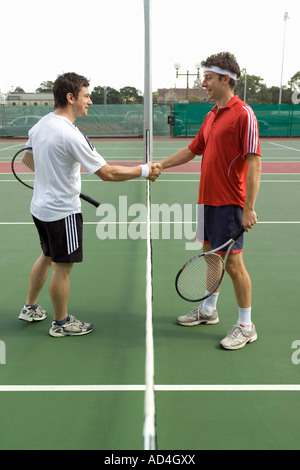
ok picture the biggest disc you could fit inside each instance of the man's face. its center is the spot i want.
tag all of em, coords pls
(82, 102)
(214, 86)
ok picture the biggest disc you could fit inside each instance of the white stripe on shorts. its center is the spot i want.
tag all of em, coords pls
(71, 233)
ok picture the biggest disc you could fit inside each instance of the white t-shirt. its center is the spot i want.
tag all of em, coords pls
(59, 151)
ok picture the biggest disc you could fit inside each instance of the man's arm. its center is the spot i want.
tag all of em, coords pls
(124, 173)
(253, 182)
(179, 158)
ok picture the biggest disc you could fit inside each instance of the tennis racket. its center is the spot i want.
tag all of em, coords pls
(202, 275)
(22, 166)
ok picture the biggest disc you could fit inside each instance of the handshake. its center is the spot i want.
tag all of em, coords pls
(155, 170)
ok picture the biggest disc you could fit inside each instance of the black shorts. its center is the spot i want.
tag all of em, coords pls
(216, 225)
(61, 240)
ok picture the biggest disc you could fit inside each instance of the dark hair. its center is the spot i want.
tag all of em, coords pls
(67, 83)
(226, 61)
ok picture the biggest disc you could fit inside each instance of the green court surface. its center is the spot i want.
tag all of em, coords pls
(88, 392)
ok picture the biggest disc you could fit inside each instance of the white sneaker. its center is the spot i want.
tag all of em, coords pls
(198, 317)
(72, 327)
(238, 336)
(31, 315)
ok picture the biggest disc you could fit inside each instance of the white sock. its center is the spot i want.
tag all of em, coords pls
(210, 304)
(245, 316)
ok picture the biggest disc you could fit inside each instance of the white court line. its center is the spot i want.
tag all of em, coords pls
(171, 180)
(154, 222)
(13, 146)
(280, 222)
(161, 180)
(279, 181)
(158, 388)
(285, 146)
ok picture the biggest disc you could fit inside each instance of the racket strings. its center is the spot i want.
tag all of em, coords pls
(200, 276)
(24, 163)
(23, 167)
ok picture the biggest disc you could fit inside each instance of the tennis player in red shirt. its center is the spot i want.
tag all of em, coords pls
(230, 176)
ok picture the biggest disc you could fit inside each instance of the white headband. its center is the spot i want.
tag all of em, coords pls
(220, 71)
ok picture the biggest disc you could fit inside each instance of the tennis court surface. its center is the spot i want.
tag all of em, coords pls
(88, 392)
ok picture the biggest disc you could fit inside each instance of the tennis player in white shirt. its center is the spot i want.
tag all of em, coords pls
(59, 150)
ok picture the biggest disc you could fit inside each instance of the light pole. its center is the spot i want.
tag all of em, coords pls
(285, 18)
(245, 86)
(187, 74)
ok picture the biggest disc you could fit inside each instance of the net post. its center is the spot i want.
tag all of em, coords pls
(148, 113)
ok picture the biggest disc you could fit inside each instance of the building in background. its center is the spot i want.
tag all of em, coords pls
(178, 95)
(29, 99)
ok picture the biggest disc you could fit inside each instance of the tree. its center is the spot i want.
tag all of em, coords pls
(45, 87)
(18, 89)
(131, 95)
(274, 95)
(294, 82)
(126, 95)
(256, 91)
(112, 96)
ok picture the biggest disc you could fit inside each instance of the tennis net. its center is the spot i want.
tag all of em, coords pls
(149, 431)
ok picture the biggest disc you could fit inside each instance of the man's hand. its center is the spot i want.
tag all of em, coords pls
(249, 219)
(154, 171)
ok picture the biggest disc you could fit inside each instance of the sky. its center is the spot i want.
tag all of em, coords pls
(104, 40)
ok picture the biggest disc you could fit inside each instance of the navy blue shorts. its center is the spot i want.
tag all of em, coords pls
(216, 225)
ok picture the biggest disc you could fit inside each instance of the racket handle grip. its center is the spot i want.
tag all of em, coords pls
(90, 200)
(238, 234)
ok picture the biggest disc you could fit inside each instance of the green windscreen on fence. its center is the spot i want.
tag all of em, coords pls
(127, 120)
(102, 120)
(274, 120)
